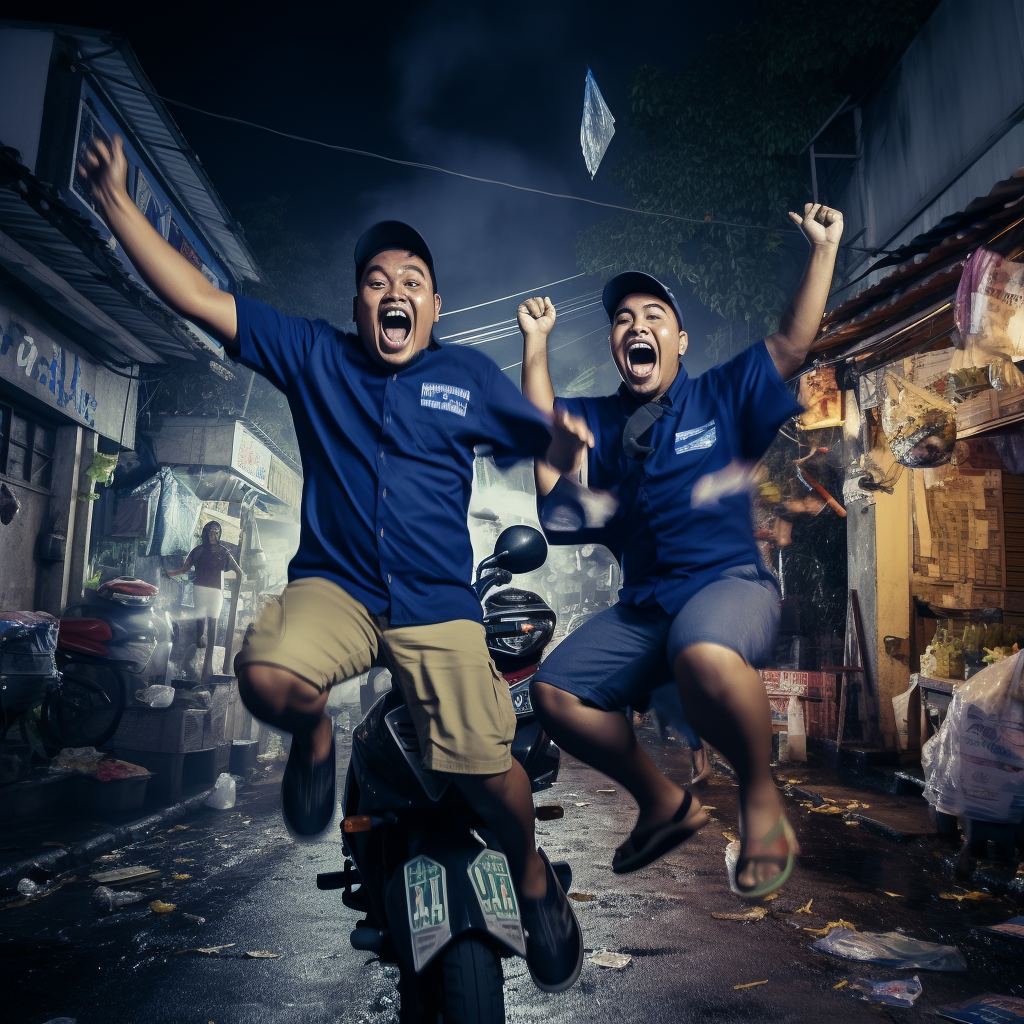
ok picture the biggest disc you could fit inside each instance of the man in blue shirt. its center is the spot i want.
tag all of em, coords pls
(696, 602)
(386, 421)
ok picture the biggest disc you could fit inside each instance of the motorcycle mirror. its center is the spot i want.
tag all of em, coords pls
(519, 549)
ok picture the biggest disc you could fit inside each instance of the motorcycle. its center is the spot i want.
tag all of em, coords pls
(113, 645)
(435, 890)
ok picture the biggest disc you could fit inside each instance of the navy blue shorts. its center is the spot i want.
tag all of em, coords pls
(620, 656)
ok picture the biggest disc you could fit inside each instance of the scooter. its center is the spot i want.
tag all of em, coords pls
(116, 643)
(435, 890)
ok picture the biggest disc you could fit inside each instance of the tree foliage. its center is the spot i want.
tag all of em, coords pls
(720, 140)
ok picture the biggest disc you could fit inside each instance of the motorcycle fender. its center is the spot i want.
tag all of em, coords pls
(434, 898)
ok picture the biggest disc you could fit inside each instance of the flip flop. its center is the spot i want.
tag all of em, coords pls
(784, 864)
(641, 849)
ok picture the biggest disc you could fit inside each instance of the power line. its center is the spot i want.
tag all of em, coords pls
(565, 307)
(526, 291)
(557, 347)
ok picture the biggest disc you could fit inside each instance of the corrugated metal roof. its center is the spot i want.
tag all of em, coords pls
(912, 306)
(116, 71)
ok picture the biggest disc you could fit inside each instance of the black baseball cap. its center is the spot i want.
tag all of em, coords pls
(391, 234)
(631, 282)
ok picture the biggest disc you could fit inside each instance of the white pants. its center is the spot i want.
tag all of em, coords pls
(208, 602)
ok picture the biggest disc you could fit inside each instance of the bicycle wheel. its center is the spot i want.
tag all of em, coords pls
(85, 707)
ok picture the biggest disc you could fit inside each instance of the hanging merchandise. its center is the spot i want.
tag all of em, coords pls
(135, 517)
(177, 516)
(102, 467)
(598, 125)
(989, 314)
(919, 426)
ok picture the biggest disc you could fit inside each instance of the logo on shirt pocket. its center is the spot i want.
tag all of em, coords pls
(445, 397)
(696, 438)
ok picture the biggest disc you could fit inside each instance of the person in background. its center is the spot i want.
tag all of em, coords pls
(210, 559)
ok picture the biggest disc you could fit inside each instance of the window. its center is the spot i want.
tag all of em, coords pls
(26, 447)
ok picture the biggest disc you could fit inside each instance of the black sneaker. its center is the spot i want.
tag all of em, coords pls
(308, 793)
(554, 942)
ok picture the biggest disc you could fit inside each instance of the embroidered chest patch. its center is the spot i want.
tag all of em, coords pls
(696, 438)
(445, 397)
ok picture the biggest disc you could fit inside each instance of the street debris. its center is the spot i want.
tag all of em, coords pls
(159, 907)
(581, 803)
(180, 878)
(832, 924)
(605, 791)
(206, 950)
(731, 836)
(891, 949)
(987, 1007)
(842, 984)
(603, 958)
(262, 954)
(122, 876)
(806, 908)
(38, 892)
(184, 860)
(194, 918)
(106, 900)
(961, 896)
(223, 796)
(772, 896)
(895, 895)
(27, 887)
(892, 993)
(851, 822)
(753, 914)
(1014, 927)
(177, 828)
(750, 984)
(582, 897)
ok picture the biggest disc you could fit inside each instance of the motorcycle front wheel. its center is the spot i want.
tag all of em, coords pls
(464, 986)
(86, 706)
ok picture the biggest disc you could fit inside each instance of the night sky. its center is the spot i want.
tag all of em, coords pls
(488, 89)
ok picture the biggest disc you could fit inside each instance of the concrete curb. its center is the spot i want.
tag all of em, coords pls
(56, 861)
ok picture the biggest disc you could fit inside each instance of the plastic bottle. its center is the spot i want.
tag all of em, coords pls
(107, 900)
(797, 737)
(27, 887)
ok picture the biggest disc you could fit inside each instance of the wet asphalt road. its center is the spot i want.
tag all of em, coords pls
(251, 889)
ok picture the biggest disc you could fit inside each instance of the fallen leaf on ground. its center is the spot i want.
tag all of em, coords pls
(806, 908)
(209, 950)
(159, 907)
(605, 791)
(177, 828)
(610, 959)
(794, 782)
(896, 895)
(841, 984)
(851, 822)
(827, 809)
(582, 897)
(960, 897)
(749, 984)
(581, 803)
(753, 914)
(828, 799)
(184, 860)
(732, 837)
(262, 954)
(832, 924)
(772, 896)
(181, 878)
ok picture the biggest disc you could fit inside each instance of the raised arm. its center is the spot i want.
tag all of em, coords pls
(822, 227)
(166, 271)
(187, 565)
(570, 435)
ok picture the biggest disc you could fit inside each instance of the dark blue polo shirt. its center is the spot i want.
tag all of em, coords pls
(387, 459)
(670, 549)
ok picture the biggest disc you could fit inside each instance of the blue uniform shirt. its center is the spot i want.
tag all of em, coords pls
(670, 549)
(387, 459)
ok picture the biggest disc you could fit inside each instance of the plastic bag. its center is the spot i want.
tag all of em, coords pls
(223, 796)
(156, 696)
(989, 314)
(893, 993)
(974, 765)
(177, 516)
(107, 900)
(598, 125)
(78, 759)
(891, 949)
(136, 514)
(919, 426)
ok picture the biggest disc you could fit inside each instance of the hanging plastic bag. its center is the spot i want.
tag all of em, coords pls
(919, 426)
(177, 517)
(989, 314)
(598, 125)
(223, 796)
(891, 949)
(974, 765)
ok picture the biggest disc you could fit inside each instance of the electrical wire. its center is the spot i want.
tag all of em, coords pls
(557, 347)
(566, 310)
(536, 290)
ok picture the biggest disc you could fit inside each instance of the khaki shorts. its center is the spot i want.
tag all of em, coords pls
(459, 702)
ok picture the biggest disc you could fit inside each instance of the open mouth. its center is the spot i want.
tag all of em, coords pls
(395, 327)
(641, 359)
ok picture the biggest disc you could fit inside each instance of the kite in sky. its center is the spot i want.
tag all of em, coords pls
(598, 125)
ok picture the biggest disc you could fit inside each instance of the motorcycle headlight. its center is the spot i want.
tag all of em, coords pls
(520, 694)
